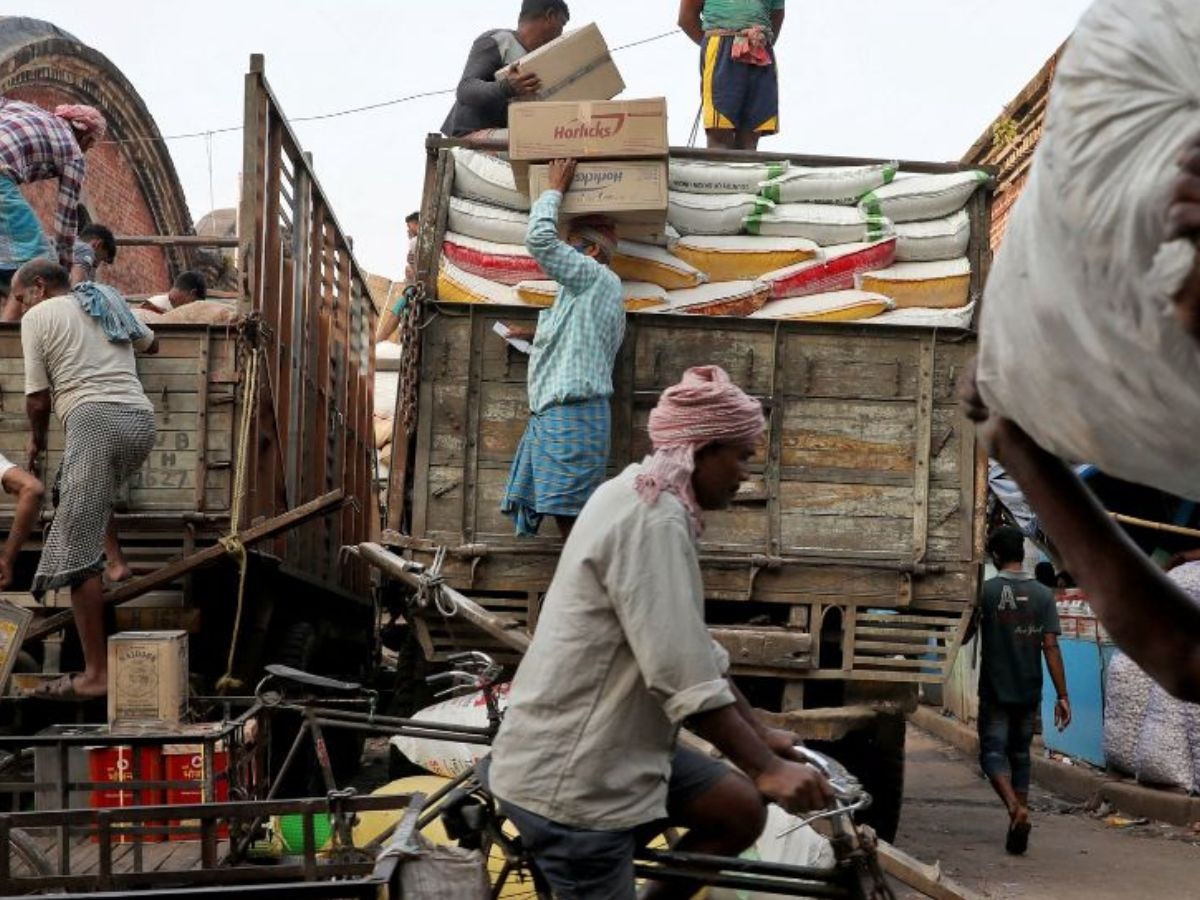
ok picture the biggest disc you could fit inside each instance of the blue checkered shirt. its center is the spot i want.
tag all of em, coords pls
(578, 337)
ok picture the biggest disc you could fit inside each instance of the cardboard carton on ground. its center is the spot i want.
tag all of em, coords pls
(608, 130)
(575, 66)
(631, 192)
(147, 678)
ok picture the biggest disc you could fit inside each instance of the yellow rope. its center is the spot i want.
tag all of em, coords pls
(233, 546)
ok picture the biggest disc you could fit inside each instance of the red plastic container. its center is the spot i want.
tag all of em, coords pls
(185, 762)
(114, 765)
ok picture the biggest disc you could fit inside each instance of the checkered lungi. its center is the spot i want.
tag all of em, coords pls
(561, 460)
(106, 443)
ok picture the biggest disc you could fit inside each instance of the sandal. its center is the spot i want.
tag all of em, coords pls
(61, 690)
(1017, 841)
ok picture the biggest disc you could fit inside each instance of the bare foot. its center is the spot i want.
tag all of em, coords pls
(70, 687)
(115, 574)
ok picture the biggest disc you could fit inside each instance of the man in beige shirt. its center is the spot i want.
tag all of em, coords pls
(79, 354)
(586, 764)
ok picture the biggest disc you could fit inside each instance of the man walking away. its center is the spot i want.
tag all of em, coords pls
(481, 102)
(1017, 622)
(79, 351)
(587, 764)
(739, 81)
(95, 247)
(563, 454)
(27, 490)
(36, 145)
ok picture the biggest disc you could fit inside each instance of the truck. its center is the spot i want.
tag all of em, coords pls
(264, 461)
(844, 575)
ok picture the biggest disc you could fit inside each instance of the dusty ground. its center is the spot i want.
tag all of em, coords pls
(951, 815)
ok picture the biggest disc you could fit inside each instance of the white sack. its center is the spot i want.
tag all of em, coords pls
(711, 213)
(937, 239)
(823, 224)
(923, 197)
(722, 178)
(450, 758)
(1078, 342)
(487, 223)
(486, 178)
(832, 184)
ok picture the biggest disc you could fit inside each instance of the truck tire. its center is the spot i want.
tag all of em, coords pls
(875, 755)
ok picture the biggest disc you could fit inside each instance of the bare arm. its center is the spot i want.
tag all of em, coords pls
(388, 323)
(28, 491)
(795, 787)
(11, 311)
(689, 19)
(777, 23)
(37, 408)
(1058, 675)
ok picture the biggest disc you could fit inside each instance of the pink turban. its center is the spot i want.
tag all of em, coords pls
(705, 408)
(84, 119)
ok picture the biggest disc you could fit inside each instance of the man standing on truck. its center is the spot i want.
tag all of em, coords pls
(563, 454)
(587, 764)
(79, 353)
(35, 145)
(482, 98)
(739, 81)
(1018, 622)
(95, 247)
(27, 489)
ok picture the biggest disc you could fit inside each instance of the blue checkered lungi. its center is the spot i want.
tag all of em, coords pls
(561, 460)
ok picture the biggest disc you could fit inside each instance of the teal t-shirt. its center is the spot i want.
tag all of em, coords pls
(738, 15)
(1015, 612)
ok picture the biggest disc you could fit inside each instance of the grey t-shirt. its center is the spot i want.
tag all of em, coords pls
(481, 102)
(1016, 611)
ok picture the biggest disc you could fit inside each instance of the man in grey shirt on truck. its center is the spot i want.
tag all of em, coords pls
(481, 102)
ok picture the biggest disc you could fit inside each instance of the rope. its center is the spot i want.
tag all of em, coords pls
(231, 543)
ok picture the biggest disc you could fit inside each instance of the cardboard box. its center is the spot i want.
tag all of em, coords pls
(575, 66)
(147, 678)
(632, 193)
(14, 621)
(608, 129)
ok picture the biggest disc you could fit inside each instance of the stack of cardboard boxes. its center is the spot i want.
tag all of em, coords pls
(621, 145)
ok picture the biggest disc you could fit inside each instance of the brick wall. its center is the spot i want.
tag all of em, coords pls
(112, 197)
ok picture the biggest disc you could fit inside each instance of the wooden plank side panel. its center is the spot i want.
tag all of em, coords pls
(667, 346)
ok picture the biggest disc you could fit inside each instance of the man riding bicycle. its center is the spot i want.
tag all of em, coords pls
(586, 763)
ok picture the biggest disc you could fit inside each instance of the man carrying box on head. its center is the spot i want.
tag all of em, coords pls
(739, 82)
(481, 101)
(564, 452)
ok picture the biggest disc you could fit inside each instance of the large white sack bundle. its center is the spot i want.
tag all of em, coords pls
(711, 213)
(783, 842)
(832, 184)
(692, 176)
(923, 197)
(487, 223)
(638, 295)
(486, 178)
(1078, 344)
(821, 223)
(936, 239)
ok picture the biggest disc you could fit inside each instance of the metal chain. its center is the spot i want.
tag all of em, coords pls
(410, 356)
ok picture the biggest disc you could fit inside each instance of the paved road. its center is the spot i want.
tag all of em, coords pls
(951, 815)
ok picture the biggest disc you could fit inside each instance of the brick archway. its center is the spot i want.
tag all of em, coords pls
(132, 185)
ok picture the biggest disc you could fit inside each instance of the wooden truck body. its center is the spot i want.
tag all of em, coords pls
(844, 573)
(306, 317)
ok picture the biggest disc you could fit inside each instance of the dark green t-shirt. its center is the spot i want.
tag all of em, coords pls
(1014, 613)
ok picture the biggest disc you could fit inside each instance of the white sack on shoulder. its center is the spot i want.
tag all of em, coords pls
(1078, 344)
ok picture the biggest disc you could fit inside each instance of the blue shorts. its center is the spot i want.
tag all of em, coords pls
(737, 96)
(21, 235)
(1005, 735)
(582, 864)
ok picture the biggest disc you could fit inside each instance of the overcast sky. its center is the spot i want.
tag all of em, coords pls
(909, 79)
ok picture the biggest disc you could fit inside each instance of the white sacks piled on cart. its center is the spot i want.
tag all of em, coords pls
(867, 243)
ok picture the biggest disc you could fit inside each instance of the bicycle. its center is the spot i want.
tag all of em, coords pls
(471, 815)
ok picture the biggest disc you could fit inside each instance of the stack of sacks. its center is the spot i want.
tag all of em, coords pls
(386, 386)
(484, 259)
(769, 239)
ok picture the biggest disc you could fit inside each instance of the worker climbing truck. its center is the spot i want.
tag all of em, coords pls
(843, 576)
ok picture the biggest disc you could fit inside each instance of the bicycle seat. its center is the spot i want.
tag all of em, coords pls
(307, 679)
